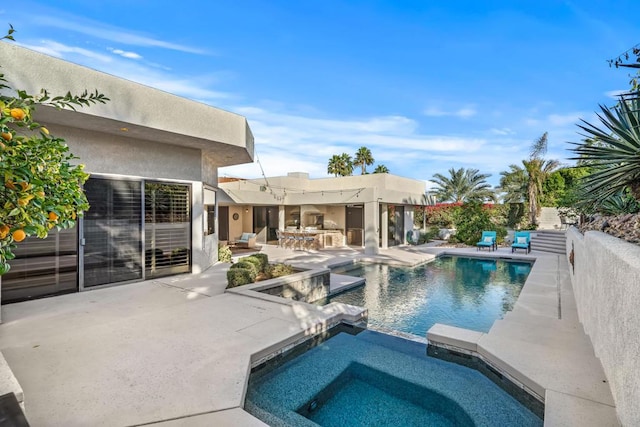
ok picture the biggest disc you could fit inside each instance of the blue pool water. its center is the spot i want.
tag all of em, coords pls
(469, 293)
(374, 379)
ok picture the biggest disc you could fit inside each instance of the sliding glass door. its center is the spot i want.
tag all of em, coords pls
(133, 230)
(43, 267)
(167, 229)
(112, 232)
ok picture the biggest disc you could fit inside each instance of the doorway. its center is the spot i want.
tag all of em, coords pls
(223, 223)
(265, 223)
(355, 225)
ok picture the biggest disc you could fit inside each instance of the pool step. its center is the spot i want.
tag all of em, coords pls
(342, 282)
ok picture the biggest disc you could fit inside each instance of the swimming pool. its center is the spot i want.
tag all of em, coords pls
(468, 293)
(374, 379)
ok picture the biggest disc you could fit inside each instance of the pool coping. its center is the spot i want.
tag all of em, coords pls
(585, 399)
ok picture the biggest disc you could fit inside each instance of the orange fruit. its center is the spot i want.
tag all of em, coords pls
(53, 216)
(19, 235)
(4, 231)
(7, 136)
(18, 113)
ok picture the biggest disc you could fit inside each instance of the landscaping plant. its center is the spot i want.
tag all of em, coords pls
(224, 253)
(41, 188)
(472, 220)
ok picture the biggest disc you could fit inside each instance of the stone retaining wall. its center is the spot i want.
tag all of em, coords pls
(305, 286)
(606, 283)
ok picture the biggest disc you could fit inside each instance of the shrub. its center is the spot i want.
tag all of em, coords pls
(471, 221)
(249, 266)
(264, 261)
(442, 214)
(432, 233)
(279, 270)
(224, 253)
(253, 260)
(239, 277)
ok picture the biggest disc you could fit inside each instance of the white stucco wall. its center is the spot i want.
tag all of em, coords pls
(104, 153)
(606, 283)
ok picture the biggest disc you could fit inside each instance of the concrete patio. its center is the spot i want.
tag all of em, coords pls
(177, 351)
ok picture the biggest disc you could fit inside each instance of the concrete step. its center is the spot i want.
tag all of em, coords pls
(549, 241)
(551, 233)
(548, 248)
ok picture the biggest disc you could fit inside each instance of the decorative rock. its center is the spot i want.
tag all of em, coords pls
(625, 227)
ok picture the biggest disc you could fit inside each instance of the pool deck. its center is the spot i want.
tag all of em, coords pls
(177, 351)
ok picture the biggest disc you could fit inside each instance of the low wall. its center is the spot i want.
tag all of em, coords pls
(305, 286)
(606, 283)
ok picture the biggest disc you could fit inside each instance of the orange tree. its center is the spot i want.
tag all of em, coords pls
(41, 188)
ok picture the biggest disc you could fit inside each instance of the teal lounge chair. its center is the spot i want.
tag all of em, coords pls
(521, 240)
(488, 240)
(410, 239)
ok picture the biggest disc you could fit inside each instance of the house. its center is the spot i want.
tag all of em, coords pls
(153, 159)
(369, 211)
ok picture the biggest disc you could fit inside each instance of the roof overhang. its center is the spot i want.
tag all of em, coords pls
(134, 110)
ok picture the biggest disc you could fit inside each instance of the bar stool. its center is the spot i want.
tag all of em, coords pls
(290, 239)
(309, 240)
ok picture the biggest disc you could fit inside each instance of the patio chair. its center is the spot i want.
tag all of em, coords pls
(488, 240)
(521, 240)
(281, 238)
(246, 240)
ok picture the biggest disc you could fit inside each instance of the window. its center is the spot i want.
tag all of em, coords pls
(210, 219)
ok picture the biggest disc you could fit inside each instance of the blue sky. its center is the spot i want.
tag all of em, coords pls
(427, 86)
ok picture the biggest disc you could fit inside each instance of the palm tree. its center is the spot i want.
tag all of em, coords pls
(615, 156)
(514, 185)
(463, 185)
(334, 165)
(346, 165)
(381, 169)
(538, 169)
(363, 159)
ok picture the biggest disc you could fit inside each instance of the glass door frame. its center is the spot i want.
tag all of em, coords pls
(82, 241)
(141, 182)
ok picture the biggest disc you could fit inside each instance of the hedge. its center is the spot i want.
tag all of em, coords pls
(239, 277)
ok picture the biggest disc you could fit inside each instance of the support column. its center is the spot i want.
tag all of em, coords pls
(281, 218)
(408, 222)
(371, 226)
(384, 224)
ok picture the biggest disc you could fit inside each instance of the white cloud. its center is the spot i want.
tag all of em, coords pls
(99, 30)
(59, 50)
(125, 54)
(287, 142)
(464, 112)
(616, 93)
(502, 131)
(565, 119)
(193, 87)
